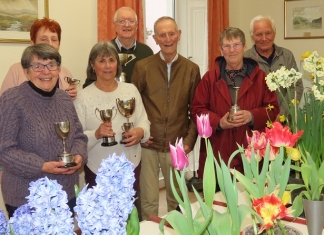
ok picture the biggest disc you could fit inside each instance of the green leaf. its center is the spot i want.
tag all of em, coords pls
(209, 182)
(133, 227)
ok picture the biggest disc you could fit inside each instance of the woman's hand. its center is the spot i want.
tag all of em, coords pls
(72, 91)
(241, 118)
(133, 136)
(104, 130)
(57, 168)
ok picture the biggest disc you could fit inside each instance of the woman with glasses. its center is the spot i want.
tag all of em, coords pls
(235, 83)
(42, 31)
(29, 144)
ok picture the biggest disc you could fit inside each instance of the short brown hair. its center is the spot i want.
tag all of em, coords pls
(230, 33)
(47, 23)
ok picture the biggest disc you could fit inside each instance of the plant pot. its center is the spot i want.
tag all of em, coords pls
(314, 214)
(289, 229)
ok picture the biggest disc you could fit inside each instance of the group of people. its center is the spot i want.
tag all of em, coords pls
(168, 92)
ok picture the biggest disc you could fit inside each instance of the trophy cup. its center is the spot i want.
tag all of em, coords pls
(124, 60)
(72, 81)
(107, 115)
(126, 108)
(62, 129)
(235, 108)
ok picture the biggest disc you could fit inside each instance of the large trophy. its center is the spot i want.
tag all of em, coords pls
(235, 108)
(124, 60)
(72, 81)
(63, 129)
(107, 115)
(126, 108)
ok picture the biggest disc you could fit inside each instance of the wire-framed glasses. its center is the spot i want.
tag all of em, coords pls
(38, 67)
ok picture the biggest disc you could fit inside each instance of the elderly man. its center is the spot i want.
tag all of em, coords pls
(125, 22)
(167, 82)
(271, 57)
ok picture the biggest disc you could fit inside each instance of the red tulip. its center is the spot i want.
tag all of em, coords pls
(178, 156)
(203, 126)
(270, 208)
(281, 136)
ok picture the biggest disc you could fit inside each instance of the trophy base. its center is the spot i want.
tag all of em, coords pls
(67, 158)
(67, 165)
(109, 144)
(108, 141)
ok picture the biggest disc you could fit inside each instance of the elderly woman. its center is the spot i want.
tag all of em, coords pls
(215, 95)
(103, 67)
(29, 145)
(42, 31)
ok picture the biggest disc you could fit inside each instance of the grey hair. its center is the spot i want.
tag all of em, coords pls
(42, 51)
(124, 8)
(230, 33)
(162, 19)
(261, 18)
(101, 49)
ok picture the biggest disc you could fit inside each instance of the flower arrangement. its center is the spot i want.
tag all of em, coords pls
(206, 220)
(46, 212)
(308, 118)
(266, 186)
(105, 208)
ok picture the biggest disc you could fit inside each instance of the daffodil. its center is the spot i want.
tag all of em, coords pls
(282, 118)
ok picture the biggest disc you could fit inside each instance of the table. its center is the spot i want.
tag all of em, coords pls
(152, 228)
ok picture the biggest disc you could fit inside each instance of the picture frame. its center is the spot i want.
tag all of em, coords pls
(304, 19)
(14, 23)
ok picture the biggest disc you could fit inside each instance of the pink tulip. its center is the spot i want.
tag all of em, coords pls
(281, 136)
(203, 126)
(178, 156)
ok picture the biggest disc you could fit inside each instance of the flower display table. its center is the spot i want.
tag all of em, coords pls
(152, 228)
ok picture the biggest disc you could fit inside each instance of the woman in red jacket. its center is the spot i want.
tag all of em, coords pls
(216, 94)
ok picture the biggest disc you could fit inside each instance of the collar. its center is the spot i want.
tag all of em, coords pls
(42, 92)
(120, 45)
(174, 59)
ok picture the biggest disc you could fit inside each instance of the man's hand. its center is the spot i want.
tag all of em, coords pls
(147, 143)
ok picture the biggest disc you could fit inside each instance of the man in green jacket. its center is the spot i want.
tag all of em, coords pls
(271, 57)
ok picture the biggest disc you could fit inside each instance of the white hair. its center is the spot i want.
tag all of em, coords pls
(261, 18)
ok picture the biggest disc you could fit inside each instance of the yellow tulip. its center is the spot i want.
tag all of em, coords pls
(294, 153)
(306, 55)
(286, 197)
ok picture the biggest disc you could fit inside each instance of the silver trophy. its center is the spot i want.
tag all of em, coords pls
(107, 115)
(124, 60)
(63, 129)
(72, 81)
(235, 108)
(126, 108)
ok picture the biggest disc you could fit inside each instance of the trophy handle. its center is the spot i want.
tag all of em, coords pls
(132, 56)
(113, 108)
(97, 110)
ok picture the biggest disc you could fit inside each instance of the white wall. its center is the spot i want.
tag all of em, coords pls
(78, 20)
(242, 11)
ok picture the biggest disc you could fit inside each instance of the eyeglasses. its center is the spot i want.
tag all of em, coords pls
(123, 22)
(38, 67)
(236, 46)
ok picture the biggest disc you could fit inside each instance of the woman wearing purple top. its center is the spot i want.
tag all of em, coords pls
(29, 145)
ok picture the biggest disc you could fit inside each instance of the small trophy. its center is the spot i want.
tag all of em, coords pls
(235, 108)
(124, 60)
(62, 129)
(106, 115)
(126, 108)
(72, 81)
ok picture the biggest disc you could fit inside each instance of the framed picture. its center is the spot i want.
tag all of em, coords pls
(304, 19)
(16, 18)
